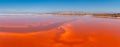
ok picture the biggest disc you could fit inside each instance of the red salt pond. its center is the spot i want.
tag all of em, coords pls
(59, 31)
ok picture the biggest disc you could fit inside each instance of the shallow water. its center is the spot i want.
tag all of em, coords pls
(59, 31)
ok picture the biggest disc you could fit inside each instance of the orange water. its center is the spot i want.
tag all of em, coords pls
(59, 31)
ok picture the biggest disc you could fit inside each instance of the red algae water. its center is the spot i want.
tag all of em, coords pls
(59, 31)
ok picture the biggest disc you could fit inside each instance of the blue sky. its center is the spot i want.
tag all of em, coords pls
(60, 5)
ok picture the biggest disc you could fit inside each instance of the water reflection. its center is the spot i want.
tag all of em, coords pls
(33, 29)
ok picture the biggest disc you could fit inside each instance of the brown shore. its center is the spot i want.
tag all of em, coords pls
(102, 15)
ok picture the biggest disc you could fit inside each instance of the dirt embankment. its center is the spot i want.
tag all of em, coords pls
(106, 15)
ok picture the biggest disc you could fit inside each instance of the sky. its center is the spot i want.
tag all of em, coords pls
(60, 5)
